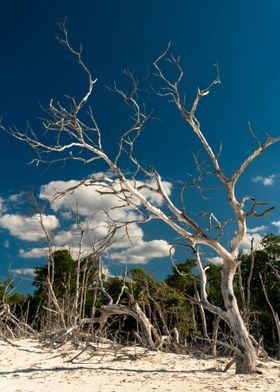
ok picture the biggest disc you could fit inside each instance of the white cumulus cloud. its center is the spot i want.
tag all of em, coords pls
(22, 271)
(257, 229)
(266, 181)
(245, 245)
(276, 224)
(217, 260)
(34, 253)
(87, 199)
(98, 215)
(28, 228)
(142, 252)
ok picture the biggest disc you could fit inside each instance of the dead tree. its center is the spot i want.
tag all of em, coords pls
(72, 136)
(148, 336)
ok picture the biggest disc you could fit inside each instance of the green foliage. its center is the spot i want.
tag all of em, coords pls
(167, 304)
(271, 244)
(183, 278)
(8, 296)
(63, 277)
(266, 263)
(214, 285)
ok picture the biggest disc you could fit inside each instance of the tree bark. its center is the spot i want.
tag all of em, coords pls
(216, 324)
(202, 315)
(246, 354)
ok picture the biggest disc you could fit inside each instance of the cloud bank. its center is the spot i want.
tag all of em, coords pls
(86, 210)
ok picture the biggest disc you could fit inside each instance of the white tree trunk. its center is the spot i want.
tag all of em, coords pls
(246, 356)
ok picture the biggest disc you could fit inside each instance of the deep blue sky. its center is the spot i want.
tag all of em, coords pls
(242, 36)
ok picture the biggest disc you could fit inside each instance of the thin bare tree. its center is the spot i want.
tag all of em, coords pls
(273, 311)
(72, 136)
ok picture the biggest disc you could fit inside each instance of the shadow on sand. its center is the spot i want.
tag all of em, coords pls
(105, 368)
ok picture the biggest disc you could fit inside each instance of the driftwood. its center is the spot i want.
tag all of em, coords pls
(11, 326)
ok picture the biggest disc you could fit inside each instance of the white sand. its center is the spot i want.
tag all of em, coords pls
(30, 367)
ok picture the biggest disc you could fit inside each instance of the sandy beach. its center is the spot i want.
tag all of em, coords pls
(30, 367)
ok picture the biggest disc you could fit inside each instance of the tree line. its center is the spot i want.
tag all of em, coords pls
(136, 307)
